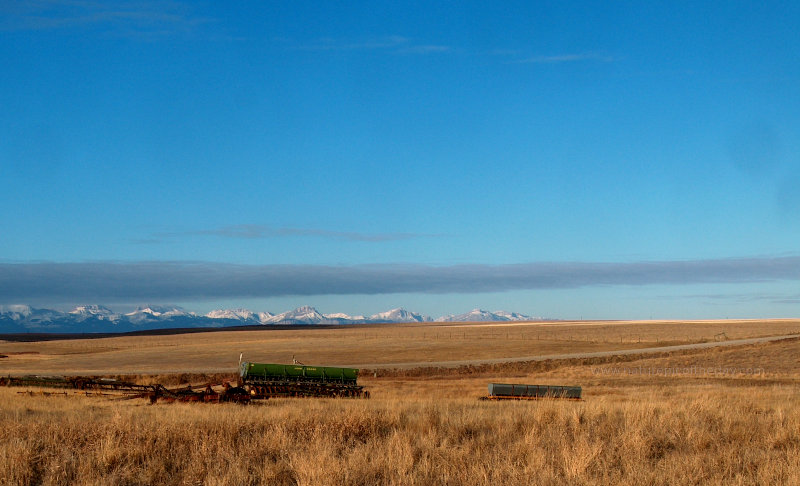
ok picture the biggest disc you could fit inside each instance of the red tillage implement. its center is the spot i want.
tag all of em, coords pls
(127, 390)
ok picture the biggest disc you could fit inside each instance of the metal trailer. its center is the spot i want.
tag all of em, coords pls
(268, 380)
(506, 391)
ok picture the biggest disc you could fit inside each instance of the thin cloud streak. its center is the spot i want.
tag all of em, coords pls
(127, 282)
(396, 44)
(258, 231)
(727, 299)
(426, 49)
(565, 58)
(135, 19)
(337, 45)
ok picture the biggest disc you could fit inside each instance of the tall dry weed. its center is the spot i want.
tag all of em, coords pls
(699, 435)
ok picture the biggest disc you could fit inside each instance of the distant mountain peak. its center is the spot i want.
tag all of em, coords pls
(345, 317)
(158, 310)
(263, 317)
(83, 312)
(235, 314)
(148, 313)
(399, 315)
(91, 310)
(16, 312)
(480, 315)
(302, 315)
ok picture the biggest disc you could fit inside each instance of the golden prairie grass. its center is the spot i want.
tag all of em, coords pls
(701, 435)
(427, 427)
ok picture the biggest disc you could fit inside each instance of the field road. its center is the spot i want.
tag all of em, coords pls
(594, 354)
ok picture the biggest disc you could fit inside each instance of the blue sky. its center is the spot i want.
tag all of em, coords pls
(530, 142)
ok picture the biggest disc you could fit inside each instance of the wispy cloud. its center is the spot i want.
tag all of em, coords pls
(259, 231)
(143, 19)
(565, 58)
(740, 298)
(424, 49)
(131, 282)
(394, 44)
(788, 300)
(330, 44)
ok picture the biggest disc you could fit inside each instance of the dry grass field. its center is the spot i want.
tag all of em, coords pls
(713, 416)
(378, 346)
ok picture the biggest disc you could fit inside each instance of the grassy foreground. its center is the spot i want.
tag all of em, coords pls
(699, 434)
(715, 416)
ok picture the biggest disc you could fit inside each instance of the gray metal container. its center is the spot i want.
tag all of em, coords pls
(533, 391)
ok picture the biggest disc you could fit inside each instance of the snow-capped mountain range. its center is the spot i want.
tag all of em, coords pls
(479, 315)
(97, 318)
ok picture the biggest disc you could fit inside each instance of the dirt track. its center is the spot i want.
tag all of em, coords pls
(660, 349)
